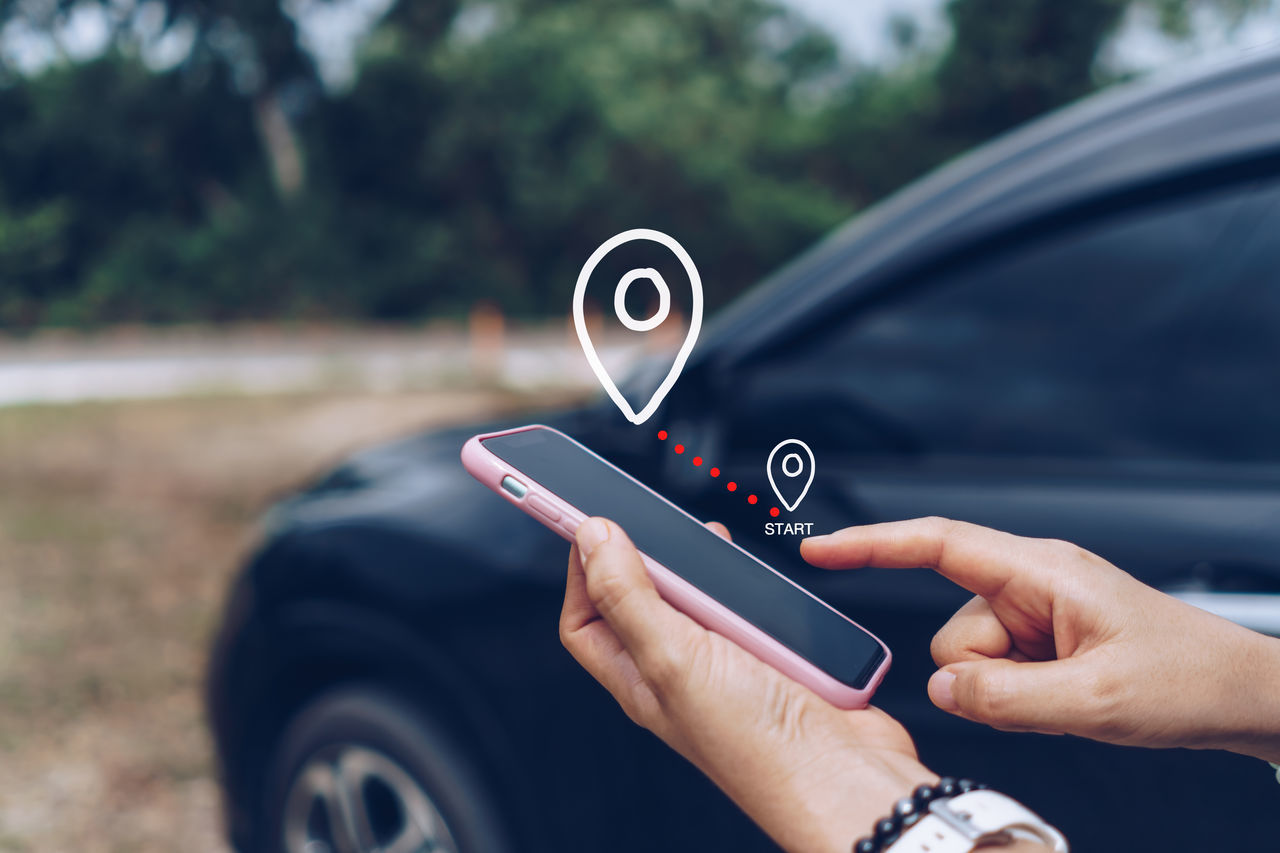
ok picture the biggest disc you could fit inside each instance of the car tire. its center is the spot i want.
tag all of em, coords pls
(360, 769)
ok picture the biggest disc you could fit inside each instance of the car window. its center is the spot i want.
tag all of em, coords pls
(1148, 333)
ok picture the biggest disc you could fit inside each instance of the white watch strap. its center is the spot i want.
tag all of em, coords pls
(959, 824)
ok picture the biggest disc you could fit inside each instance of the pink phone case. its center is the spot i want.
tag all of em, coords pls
(560, 516)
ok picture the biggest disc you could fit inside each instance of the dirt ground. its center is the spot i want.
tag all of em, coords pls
(120, 526)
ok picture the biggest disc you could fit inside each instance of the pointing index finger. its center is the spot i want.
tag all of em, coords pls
(977, 558)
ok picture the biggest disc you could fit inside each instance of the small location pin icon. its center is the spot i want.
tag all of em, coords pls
(620, 308)
(797, 468)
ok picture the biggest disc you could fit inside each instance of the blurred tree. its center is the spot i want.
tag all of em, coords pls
(1007, 62)
(254, 42)
(485, 148)
(33, 247)
(87, 150)
(545, 127)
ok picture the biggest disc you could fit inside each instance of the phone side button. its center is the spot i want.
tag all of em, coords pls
(542, 508)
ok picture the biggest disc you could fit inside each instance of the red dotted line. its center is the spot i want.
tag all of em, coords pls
(715, 472)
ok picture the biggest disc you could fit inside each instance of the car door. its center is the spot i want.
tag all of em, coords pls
(1115, 382)
(1112, 381)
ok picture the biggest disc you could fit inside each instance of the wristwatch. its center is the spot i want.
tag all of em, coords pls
(979, 818)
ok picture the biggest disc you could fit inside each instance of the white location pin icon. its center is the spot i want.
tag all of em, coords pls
(620, 308)
(793, 466)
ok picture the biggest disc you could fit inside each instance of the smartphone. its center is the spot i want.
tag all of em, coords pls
(717, 583)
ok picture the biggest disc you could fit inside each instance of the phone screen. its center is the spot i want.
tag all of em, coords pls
(727, 574)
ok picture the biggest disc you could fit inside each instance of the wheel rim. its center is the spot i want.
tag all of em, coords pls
(352, 799)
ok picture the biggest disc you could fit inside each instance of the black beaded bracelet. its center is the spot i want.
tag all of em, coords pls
(910, 809)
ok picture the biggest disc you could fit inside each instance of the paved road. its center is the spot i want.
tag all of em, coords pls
(68, 371)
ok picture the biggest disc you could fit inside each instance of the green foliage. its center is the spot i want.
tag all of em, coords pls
(88, 151)
(484, 149)
(34, 246)
(570, 123)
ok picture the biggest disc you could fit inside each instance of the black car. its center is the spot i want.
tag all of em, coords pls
(1073, 332)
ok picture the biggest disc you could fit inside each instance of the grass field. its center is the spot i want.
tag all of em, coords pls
(120, 526)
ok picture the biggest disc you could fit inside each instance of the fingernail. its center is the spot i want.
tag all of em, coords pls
(821, 537)
(591, 533)
(940, 690)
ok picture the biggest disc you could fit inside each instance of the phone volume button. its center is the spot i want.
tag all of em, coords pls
(542, 508)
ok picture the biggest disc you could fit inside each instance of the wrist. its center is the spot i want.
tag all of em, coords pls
(1256, 730)
(877, 796)
(850, 809)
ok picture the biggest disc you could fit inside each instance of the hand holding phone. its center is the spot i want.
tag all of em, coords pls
(720, 585)
(813, 776)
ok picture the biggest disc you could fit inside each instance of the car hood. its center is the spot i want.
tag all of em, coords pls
(378, 517)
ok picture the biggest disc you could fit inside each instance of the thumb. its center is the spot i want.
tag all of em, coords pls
(623, 594)
(1013, 695)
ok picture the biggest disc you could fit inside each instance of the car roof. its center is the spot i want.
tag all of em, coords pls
(1213, 114)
